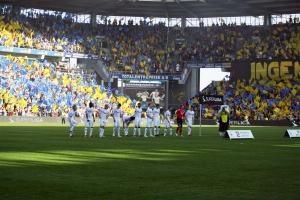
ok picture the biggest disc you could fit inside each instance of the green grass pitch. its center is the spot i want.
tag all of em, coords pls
(42, 162)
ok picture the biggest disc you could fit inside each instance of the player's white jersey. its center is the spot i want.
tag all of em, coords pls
(89, 114)
(167, 116)
(103, 113)
(117, 113)
(156, 117)
(156, 113)
(149, 113)
(189, 115)
(138, 113)
(71, 115)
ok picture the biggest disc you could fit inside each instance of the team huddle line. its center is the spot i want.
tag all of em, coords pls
(152, 115)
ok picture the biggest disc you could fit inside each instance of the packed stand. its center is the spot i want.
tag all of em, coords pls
(152, 49)
(132, 48)
(254, 100)
(227, 43)
(30, 87)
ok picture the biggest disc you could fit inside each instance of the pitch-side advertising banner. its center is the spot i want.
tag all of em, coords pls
(240, 134)
(293, 133)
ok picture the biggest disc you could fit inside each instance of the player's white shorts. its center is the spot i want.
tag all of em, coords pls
(117, 122)
(167, 124)
(125, 119)
(89, 123)
(156, 122)
(137, 122)
(189, 122)
(103, 122)
(149, 123)
(72, 122)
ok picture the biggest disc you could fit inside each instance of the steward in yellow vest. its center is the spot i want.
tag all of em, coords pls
(223, 121)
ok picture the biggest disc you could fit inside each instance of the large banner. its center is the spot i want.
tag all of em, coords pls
(266, 70)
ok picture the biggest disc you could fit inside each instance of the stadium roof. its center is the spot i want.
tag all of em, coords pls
(167, 8)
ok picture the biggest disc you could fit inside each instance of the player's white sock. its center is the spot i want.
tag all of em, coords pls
(91, 132)
(158, 131)
(134, 131)
(125, 131)
(146, 131)
(171, 132)
(165, 131)
(150, 130)
(101, 134)
(114, 131)
(154, 131)
(85, 131)
(139, 131)
(119, 133)
(71, 130)
(189, 130)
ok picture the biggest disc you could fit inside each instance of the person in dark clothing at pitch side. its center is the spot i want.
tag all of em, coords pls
(180, 114)
(293, 120)
(223, 117)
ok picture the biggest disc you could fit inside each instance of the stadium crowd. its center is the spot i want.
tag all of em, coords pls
(33, 87)
(254, 100)
(134, 49)
(30, 87)
(152, 49)
(243, 43)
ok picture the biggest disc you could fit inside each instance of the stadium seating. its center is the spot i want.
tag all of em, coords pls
(243, 43)
(255, 100)
(30, 87)
(148, 49)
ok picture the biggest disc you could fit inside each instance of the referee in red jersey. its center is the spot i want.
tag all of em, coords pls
(180, 113)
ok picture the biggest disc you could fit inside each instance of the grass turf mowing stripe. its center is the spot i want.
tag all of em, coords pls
(43, 163)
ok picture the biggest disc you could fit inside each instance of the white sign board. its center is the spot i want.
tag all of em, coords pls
(240, 134)
(292, 133)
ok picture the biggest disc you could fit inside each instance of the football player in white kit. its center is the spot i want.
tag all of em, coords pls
(138, 118)
(156, 120)
(189, 115)
(103, 112)
(127, 119)
(149, 114)
(167, 121)
(116, 114)
(71, 118)
(89, 120)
